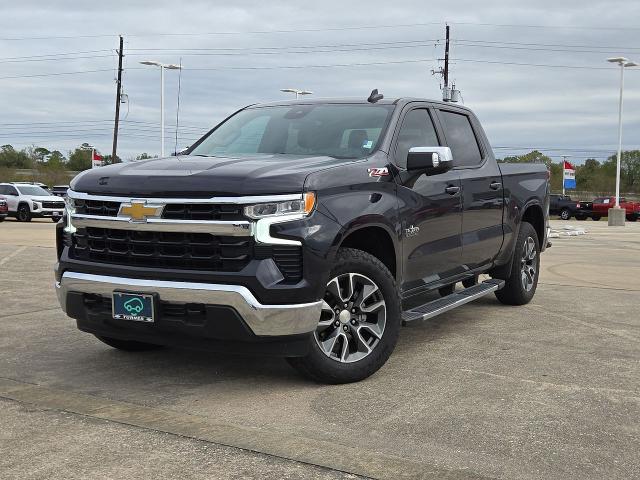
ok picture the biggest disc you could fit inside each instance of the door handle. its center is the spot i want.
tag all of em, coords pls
(452, 189)
(495, 185)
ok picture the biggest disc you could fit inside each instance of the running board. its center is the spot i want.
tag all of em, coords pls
(444, 304)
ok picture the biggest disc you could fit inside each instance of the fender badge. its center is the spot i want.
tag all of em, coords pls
(411, 231)
(378, 171)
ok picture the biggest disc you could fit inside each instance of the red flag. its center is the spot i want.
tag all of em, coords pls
(568, 166)
(96, 156)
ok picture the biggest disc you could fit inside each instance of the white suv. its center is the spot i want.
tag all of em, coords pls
(27, 201)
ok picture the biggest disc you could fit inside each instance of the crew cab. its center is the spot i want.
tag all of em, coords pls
(26, 201)
(600, 208)
(300, 229)
(563, 206)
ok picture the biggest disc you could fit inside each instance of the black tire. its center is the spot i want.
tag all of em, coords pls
(595, 218)
(565, 214)
(448, 290)
(632, 218)
(470, 282)
(2, 219)
(55, 219)
(515, 292)
(323, 367)
(23, 214)
(128, 345)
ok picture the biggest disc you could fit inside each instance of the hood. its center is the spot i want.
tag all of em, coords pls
(203, 177)
(42, 198)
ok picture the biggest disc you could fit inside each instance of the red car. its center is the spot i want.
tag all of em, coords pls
(601, 206)
(4, 209)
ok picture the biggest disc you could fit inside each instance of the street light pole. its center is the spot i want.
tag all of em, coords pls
(613, 215)
(162, 68)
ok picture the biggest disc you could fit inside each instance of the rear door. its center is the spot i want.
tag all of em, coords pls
(430, 207)
(482, 191)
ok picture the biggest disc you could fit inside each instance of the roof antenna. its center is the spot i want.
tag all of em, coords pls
(375, 96)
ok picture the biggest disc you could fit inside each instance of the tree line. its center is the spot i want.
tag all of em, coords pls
(49, 166)
(592, 175)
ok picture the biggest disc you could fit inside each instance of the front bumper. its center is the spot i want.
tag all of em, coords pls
(262, 320)
(47, 213)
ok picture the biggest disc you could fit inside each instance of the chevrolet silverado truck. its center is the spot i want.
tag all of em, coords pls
(300, 229)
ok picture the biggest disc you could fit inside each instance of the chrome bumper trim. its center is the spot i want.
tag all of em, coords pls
(238, 228)
(263, 320)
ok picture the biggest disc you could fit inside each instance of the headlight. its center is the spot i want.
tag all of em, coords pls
(302, 206)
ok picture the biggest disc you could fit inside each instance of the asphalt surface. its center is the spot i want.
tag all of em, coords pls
(548, 390)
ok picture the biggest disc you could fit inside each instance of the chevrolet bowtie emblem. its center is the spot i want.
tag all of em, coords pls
(140, 211)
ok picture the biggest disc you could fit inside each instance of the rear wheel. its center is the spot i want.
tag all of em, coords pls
(23, 214)
(632, 218)
(565, 214)
(520, 286)
(128, 345)
(359, 324)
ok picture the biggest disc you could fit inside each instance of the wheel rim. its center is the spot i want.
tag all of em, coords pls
(528, 264)
(353, 318)
(564, 215)
(22, 213)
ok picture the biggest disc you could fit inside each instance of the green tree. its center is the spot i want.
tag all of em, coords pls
(12, 158)
(79, 159)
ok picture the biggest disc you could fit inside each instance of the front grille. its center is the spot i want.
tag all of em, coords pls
(97, 207)
(172, 211)
(202, 211)
(190, 251)
(59, 205)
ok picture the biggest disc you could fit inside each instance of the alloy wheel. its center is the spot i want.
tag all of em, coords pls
(528, 264)
(353, 318)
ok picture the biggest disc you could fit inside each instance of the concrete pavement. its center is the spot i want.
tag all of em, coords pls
(549, 390)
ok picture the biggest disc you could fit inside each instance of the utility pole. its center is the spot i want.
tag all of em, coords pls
(118, 94)
(446, 59)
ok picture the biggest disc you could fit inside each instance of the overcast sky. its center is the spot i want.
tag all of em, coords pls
(234, 53)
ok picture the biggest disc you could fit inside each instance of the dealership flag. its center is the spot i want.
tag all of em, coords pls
(569, 175)
(96, 159)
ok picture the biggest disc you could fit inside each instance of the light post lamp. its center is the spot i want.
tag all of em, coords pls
(296, 91)
(162, 68)
(617, 214)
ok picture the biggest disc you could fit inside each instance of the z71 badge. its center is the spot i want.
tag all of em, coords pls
(411, 231)
(378, 171)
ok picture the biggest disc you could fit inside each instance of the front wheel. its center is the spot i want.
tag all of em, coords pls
(55, 219)
(24, 214)
(595, 218)
(521, 284)
(565, 214)
(359, 323)
(632, 218)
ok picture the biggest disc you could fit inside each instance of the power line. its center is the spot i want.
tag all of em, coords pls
(563, 27)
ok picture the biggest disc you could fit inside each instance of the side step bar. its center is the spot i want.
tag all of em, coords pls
(444, 304)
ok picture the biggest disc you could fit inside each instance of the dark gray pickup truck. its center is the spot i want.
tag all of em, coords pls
(300, 229)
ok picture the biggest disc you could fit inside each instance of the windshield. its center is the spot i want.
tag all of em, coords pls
(341, 131)
(32, 190)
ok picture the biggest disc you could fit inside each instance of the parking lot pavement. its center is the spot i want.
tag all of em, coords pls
(548, 390)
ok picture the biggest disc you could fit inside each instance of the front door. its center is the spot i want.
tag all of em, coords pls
(430, 210)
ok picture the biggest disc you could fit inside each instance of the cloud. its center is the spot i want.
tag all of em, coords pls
(520, 105)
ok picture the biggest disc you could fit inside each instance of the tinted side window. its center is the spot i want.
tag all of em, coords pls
(417, 131)
(3, 190)
(461, 139)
